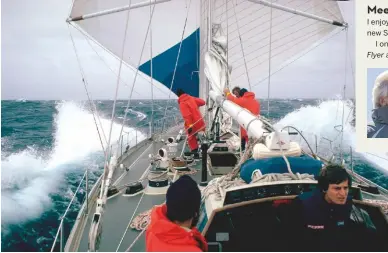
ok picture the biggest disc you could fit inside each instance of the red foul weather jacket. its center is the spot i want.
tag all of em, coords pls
(188, 106)
(249, 102)
(165, 236)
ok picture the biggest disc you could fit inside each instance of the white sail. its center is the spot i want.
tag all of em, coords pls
(258, 35)
(168, 23)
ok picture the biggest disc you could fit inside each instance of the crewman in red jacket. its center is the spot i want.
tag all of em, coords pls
(189, 107)
(172, 227)
(246, 100)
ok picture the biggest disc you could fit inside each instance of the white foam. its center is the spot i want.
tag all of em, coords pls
(325, 121)
(138, 114)
(28, 178)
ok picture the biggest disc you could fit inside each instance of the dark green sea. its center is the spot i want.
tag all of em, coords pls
(47, 145)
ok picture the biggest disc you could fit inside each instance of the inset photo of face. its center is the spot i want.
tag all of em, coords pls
(377, 100)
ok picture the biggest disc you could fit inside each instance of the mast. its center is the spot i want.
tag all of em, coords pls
(293, 37)
(205, 45)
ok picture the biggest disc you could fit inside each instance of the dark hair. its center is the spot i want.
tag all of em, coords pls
(183, 199)
(242, 91)
(179, 92)
(236, 89)
(333, 174)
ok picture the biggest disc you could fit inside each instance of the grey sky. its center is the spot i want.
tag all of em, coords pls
(38, 60)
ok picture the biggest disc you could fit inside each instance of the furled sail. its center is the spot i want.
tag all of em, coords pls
(261, 37)
(169, 19)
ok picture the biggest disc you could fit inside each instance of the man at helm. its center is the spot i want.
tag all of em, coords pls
(324, 218)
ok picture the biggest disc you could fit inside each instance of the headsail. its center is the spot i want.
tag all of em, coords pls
(169, 19)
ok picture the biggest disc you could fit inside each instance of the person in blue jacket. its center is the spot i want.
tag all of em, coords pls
(322, 221)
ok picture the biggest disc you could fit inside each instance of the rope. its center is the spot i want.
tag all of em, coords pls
(258, 177)
(176, 62)
(181, 173)
(87, 92)
(134, 241)
(231, 179)
(141, 221)
(154, 176)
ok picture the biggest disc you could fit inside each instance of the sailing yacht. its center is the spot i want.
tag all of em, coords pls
(203, 46)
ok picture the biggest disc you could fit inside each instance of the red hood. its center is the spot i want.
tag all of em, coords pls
(168, 232)
(249, 95)
(183, 97)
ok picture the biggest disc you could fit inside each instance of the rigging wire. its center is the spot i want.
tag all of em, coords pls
(227, 42)
(115, 99)
(176, 64)
(151, 72)
(129, 65)
(344, 93)
(242, 48)
(297, 58)
(137, 72)
(269, 60)
(130, 220)
(92, 105)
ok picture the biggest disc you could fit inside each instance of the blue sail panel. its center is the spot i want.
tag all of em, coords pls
(187, 72)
